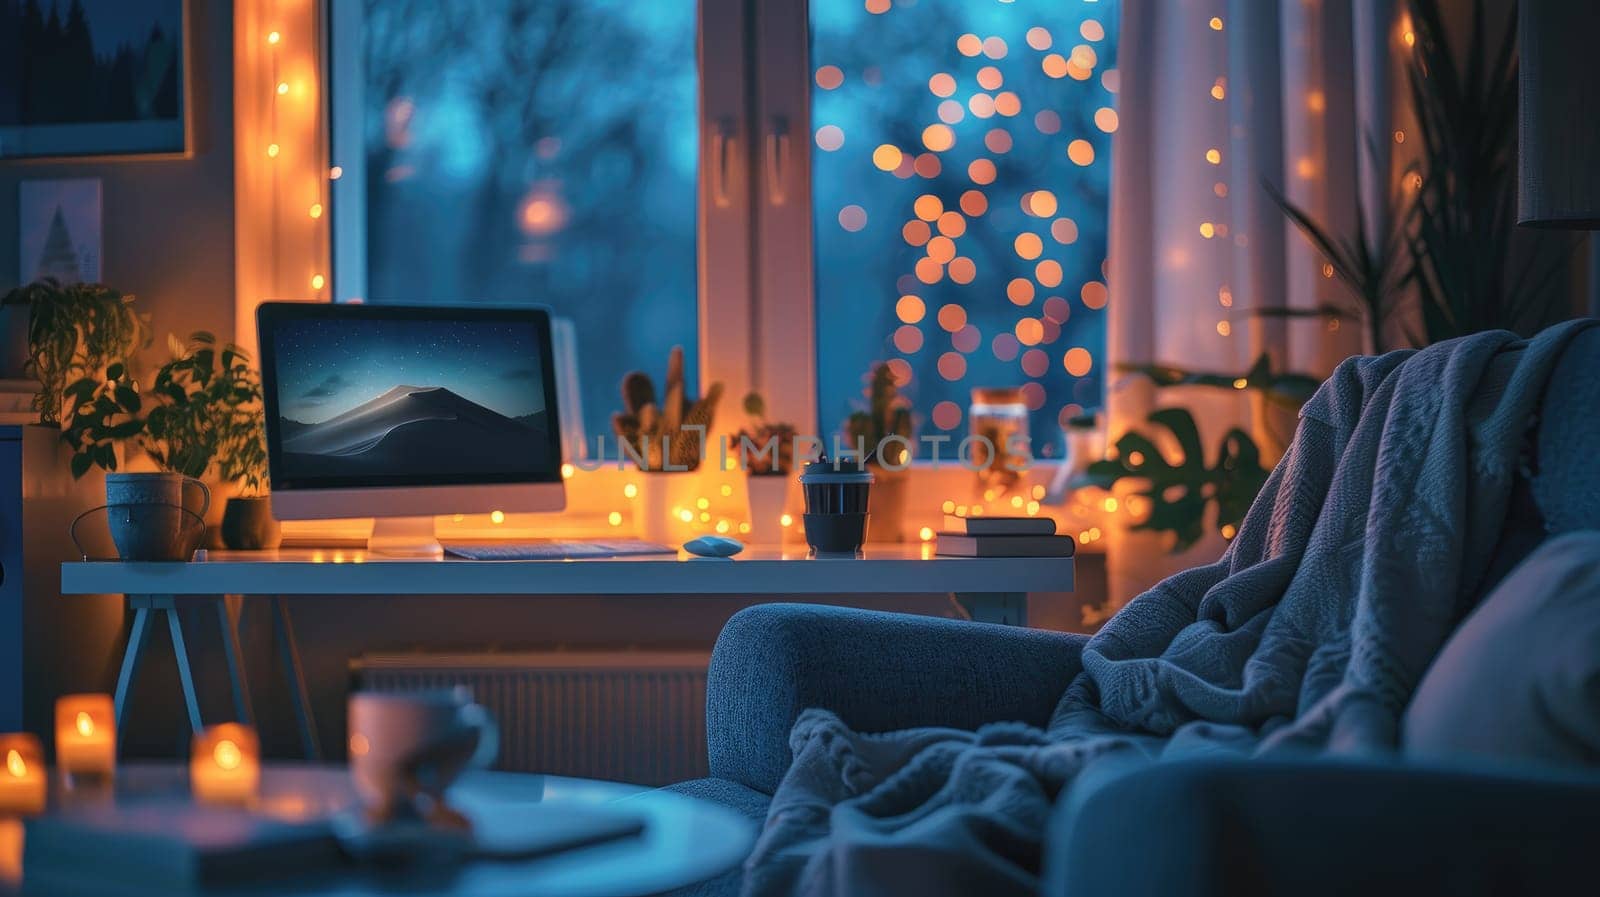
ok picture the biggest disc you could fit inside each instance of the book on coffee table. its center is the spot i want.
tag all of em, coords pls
(963, 545)
(999, 526)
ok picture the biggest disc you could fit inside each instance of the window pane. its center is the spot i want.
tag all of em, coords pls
(536, 151)
(961, 157)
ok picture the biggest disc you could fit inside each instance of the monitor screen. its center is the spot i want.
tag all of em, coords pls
(396, 396)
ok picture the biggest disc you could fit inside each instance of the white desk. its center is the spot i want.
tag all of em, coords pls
(993, 590)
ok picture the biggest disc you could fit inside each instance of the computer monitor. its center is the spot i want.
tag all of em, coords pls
(403, 412)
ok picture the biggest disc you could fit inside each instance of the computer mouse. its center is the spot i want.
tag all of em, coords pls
(713, 546)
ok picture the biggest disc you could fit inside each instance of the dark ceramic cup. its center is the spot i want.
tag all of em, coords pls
(837, 495)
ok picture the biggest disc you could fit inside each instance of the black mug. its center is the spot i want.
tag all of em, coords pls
(837, 495)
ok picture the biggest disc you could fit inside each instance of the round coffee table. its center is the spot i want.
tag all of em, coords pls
(685, 840)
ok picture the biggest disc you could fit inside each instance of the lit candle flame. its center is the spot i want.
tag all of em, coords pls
(85, 724)
(15, 764)
(227, 754)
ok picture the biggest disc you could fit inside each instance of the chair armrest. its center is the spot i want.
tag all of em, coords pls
(877, 671)
(1310, 827)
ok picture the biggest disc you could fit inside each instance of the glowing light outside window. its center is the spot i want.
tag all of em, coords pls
(985, 265)
(541, 151)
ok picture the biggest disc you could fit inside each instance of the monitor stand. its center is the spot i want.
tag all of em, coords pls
(404, 537)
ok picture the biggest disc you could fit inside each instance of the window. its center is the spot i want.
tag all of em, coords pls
(961, 159)
(525, 151)
(922, 182)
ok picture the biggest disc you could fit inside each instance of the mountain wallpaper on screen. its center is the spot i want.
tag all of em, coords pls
(410, 399)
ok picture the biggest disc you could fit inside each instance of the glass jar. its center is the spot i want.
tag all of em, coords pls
(999, 415)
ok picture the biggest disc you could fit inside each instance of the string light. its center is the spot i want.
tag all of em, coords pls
(315, 211)
(317, 280)
(274, 37)
(283, 88)
(272, 151)
(1216, 23)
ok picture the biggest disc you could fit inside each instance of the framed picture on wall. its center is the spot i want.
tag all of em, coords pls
(94, 78)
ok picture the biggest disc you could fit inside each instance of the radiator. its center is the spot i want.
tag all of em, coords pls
(636, 717)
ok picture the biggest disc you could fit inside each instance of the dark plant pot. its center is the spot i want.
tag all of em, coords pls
(248, 524)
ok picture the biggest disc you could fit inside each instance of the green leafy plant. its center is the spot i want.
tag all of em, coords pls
(887, 413)
(760, 432)
(1179, 493)
(1375, 272)
(202, 408)
(1465, 246)
(75, 331)
(672, 429)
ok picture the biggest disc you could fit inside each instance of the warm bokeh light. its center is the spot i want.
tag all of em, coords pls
(315, 211)
(830, 137)
(929, 271)
(1039, 38)
(1094, 294)
(887, 157)
(1029, 331)
(969, 45)
(907, 339)
(942, 85)
(1048, 273)
(1078, 361)
(928, 207)
(1028, 245)
(951, 224)
(946, 415)
(951, 111)
(989, 78)
(1224, 328)
(962, 270)
(942, 249)
(1080, 152)
(1064, 231)
(1054, 65)
(1216, 23)
(1105, 118)
(952, 366)
(1214, 156)
(1092, 30)
(982, 105)
(1007, 103)
(982, 172)
(915, 232)
(1040, 204)
(997, 141)
(927, 165)
(1084, 57)
(994, 47)
(952, 317)
(852, 218)
(273, 37)
(1047, 121)
(318, 281)
(910, 309)
(938, 138)
(1020, 291)
(829, 77)
(973, 202)
(878, 7)
(1207, 230)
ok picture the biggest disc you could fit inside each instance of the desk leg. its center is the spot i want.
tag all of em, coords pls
(1009, 608)
(242, 709)
(131, 655)
(289, 650)
(185, 675)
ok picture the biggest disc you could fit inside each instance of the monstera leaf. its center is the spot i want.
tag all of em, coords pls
(1179, 493)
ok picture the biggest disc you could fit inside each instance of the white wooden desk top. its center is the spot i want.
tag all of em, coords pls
(759, 570)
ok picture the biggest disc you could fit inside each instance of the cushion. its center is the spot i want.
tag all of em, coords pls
(1520, 678)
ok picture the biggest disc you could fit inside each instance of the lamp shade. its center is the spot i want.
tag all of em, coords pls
(1559, 131)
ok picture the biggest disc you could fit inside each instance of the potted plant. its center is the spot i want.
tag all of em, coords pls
(888, 414)
(75, 330)
(665, 435)
(766, 449)
(202, 409)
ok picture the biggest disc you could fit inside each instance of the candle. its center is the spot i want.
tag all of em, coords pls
(225, 766)
(86, 736)
(22, 776)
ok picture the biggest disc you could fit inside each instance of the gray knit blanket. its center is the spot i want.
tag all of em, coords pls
(1351, 568)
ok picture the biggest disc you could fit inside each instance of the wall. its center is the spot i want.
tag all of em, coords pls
(167, 225)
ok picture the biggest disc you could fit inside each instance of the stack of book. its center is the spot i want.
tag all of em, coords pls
(1002, 537)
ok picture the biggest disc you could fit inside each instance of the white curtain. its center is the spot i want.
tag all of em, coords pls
(1216, 97)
